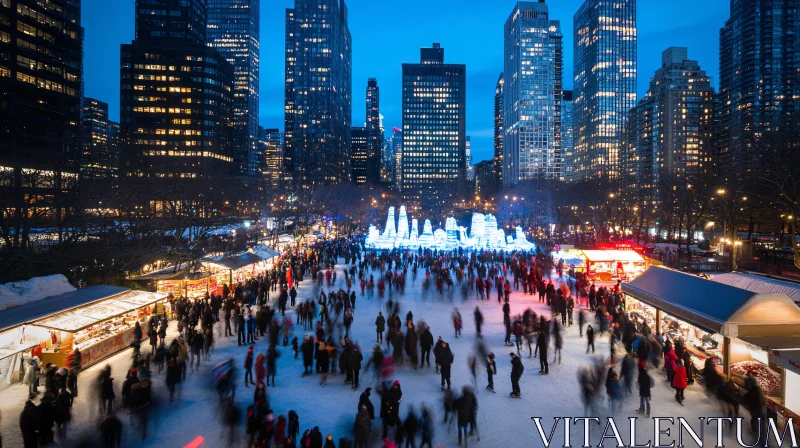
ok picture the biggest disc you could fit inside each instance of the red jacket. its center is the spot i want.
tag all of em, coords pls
(679, 382)
(670, 358)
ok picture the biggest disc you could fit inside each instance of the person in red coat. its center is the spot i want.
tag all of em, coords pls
(261, 370)
(670, 360)
(679, 381)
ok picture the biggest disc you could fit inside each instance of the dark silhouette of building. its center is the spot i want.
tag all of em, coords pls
(498, 130)
(318, 86)
(176, 107)
(374, 129)
(359, 154)
(41, 76)
(100, 158)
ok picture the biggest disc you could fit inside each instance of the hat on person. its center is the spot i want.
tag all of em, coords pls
(491, 355)
(396, 383)
(513, 354)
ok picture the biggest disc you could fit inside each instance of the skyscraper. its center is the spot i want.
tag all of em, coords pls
(374, 130)
(100, 158)
(567, 136)
(233, 30)
(270, 142)
(359, 154)
(175, 106)
(532, 94)
(397, 158)
(434, 139)
(668, 144)
(318, 86)
(604, 84)
(468, 161)
(41, 78)
(498, 130)
(759, 64)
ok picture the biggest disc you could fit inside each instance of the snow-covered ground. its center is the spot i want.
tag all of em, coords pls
(502, 421)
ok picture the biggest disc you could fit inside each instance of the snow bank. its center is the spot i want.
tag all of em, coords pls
(26, 291)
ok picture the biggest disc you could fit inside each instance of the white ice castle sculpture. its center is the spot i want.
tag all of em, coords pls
(484, 234)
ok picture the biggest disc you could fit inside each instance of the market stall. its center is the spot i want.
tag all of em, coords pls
(599, 265)
(237, 268)
(738, 329)
(193, 285)
(98, 329)
(629, 264)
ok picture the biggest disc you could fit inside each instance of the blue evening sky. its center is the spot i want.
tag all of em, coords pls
(388, 33)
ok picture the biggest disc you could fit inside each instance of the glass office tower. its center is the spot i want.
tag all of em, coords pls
(532, 94)
(604, 88)
(233, 30)
(432, 164)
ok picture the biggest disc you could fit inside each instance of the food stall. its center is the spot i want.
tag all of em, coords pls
(629, 264)
(237, 268)
(599, 265)
(193, 285)
(98, 329)
(571, 258)
(739, 329)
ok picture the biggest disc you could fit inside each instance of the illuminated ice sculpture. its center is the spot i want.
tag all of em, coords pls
(484, 234)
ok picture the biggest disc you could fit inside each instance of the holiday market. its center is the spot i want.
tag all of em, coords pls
(99, 321)
(742, 332)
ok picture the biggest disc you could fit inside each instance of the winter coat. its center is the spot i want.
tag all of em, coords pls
(426, 340)
(280, 440)
(411, 343)
(516, 368)
(355, 360)
(445, 356)
(63, 407)
(380, 324)
(670, 358)
(272, 357)
(362, 426)
(645, 383)
(29, 420)
(308, 353)
(261, 370)
(390, 404)
(679, 382)
(364, 400)
(542, 345)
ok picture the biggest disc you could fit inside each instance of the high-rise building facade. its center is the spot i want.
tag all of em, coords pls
(567, 136)
(233, 30)
(374, 127)
(100, 158)
(175, 106)
(318, 86)
(533, 66)
(468, 161)
(359, 154)
(498, 130)
(269, 141)
(433, 167)
(759, 82)
(604, 90)
(397, 158)
(485, 180)
(669, 139)
(41, 76)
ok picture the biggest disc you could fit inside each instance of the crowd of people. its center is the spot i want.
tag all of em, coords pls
(256, 309)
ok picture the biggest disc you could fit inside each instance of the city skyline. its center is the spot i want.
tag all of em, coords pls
(659, 27)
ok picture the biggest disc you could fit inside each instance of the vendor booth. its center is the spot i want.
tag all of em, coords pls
(238, 268)
(98, 320)
(193, 285)
(740, 330)
(98, 329)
